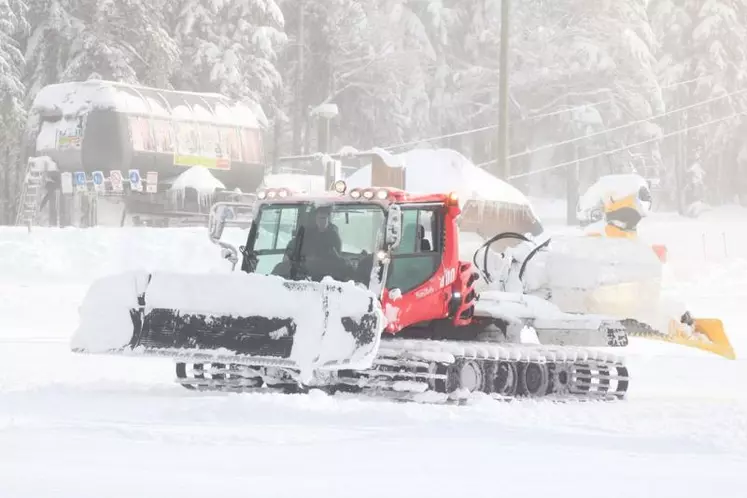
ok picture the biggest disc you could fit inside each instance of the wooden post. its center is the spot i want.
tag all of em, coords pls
(504, 169)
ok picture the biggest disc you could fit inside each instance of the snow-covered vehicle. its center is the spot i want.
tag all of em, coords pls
(156, 154)
(392, 311)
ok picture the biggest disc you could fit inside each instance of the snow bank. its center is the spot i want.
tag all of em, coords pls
(74, 256)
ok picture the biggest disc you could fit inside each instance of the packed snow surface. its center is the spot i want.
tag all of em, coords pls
(91, 426)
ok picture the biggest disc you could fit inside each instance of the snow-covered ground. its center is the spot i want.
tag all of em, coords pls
(95, 426)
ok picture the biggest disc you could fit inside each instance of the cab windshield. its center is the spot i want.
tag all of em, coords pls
(307, 241)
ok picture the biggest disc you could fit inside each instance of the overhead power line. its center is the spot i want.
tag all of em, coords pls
(537, 116)
(620, 149)
(621, 127)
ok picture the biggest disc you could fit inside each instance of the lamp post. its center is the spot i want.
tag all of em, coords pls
(326, 112)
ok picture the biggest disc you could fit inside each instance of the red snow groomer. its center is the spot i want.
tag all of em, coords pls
(356, 290)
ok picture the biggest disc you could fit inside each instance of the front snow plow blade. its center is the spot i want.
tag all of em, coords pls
(712, 330)
(236, 318)
(706, 334)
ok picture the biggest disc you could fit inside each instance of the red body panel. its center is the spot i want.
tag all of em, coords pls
(438, 297)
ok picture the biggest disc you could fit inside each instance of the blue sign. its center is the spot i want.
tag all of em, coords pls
(98, 178)
(79, 178)
(134, 176)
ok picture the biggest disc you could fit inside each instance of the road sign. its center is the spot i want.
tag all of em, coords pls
(79, 180)
(151, 181)
(98, 180)
(115, 178)
(66, 182)
(136, 182)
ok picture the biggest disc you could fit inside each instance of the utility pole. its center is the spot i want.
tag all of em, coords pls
(504, 170)
(300, 116)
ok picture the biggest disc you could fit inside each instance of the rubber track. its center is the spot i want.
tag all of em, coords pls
(506, 371)
(429, 371)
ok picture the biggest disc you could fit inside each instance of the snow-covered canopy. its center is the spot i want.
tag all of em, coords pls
(75, 98)
(198, 178)
(446, 170)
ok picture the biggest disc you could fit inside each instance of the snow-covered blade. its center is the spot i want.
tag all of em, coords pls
(238, 318)
(706, 334)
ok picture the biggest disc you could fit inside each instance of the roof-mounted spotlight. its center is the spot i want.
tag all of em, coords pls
(340, 186)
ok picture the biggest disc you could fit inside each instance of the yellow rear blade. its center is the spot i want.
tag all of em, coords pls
(708, 334)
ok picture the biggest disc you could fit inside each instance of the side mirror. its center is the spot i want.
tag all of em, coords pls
(393, 233)
(217, 221)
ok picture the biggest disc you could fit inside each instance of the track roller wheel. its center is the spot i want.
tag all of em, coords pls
(560, 376)
(534, 379)
(471, 376)
(465, 374)
(505, 378)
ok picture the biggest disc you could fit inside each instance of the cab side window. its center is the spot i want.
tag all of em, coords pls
(418, 255)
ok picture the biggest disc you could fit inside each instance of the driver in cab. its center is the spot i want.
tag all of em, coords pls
(320, 252)
(322, 238)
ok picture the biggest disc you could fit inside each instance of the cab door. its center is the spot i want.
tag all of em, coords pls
(416, 268)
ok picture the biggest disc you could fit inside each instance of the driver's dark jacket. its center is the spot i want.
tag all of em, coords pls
(320, 255)
(320, 243)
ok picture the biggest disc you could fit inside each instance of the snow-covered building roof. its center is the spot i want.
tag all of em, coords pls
(72, 99)
(446, 170)
(495, 204)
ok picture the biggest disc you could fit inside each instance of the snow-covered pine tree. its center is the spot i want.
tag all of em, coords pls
(705, 42)
(392, 83)
(122, 40)
(231, 47)
(372, 58)
(45, 49)
(441, 24)
(564, 55)
(12, 112)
